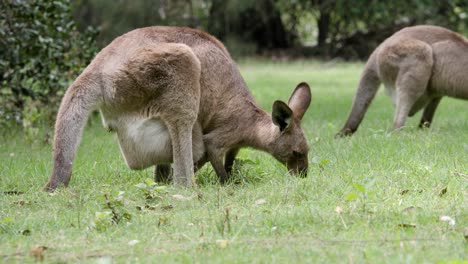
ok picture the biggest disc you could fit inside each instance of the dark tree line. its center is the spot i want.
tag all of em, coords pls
(328, 28)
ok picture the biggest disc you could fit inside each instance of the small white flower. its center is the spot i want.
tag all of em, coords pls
(339, 210)
(133, 242)
(448, 219)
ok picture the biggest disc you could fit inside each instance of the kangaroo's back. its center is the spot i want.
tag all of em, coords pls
(429, 34)
(221, 83)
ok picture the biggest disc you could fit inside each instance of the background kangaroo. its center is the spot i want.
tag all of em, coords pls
(175, 95)
(418, 66)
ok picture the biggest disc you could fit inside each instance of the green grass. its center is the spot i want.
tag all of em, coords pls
(375, 197)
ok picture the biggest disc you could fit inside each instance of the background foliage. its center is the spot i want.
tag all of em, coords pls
(44, 45)
(41, 52)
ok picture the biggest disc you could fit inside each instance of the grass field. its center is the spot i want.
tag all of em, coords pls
(376, 197)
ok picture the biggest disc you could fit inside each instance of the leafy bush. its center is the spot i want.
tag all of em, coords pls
(41, 52)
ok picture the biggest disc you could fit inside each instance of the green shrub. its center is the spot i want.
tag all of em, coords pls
(41, 52)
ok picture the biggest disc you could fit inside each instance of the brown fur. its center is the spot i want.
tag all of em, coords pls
(175, 95)
(418, 66)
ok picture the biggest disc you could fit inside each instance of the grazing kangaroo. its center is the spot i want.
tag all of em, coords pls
(175, 95)
(418, 66)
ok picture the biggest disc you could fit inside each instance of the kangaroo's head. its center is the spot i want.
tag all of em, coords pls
(290, 146)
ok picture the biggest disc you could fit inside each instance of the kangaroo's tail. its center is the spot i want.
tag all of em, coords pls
(368, 86)
(81, 98)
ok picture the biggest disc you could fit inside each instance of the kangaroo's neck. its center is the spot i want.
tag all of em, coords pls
(253, 126)
(228, 107)
(265, 134)
(258, 130)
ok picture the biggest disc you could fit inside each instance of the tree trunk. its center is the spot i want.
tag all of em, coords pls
(323, 26)
(270, 32)
(217, 21)
(323, 23)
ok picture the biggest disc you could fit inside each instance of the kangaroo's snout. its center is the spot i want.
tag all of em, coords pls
(298, 167)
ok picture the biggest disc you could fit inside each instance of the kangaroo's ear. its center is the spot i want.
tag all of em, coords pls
(282, 115)
(300, 99)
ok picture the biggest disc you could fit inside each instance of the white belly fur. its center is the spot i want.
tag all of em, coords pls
(144, 142)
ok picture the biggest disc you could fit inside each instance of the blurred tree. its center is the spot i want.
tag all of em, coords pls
(257, 22)
(352, 29)
(117, 17)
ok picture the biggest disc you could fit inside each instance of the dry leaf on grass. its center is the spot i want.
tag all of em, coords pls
(222, 243)
(260, 201)
(180, 197)
(407, 225)
(38, 253)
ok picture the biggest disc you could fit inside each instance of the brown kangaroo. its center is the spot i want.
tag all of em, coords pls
(418, 66)
(175, 95)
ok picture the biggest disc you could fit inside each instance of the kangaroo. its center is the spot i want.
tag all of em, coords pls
(418, 66)
(174, 95)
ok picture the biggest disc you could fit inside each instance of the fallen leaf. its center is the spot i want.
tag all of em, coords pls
(180, 197)
(25, 232)
(13, 193)
(167, 207)
(404, 192)
(222, 243)
(162, 220)
(38, 253)
(407, 225)
(21, 202)
(260, 201)
(443, 192)
(411, 209)
(463, 175)
(200, 196)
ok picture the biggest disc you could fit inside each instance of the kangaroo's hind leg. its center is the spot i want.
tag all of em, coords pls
(170, 73)
(178, 107)
(411, 83)
(429, 112)
(229, 160)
